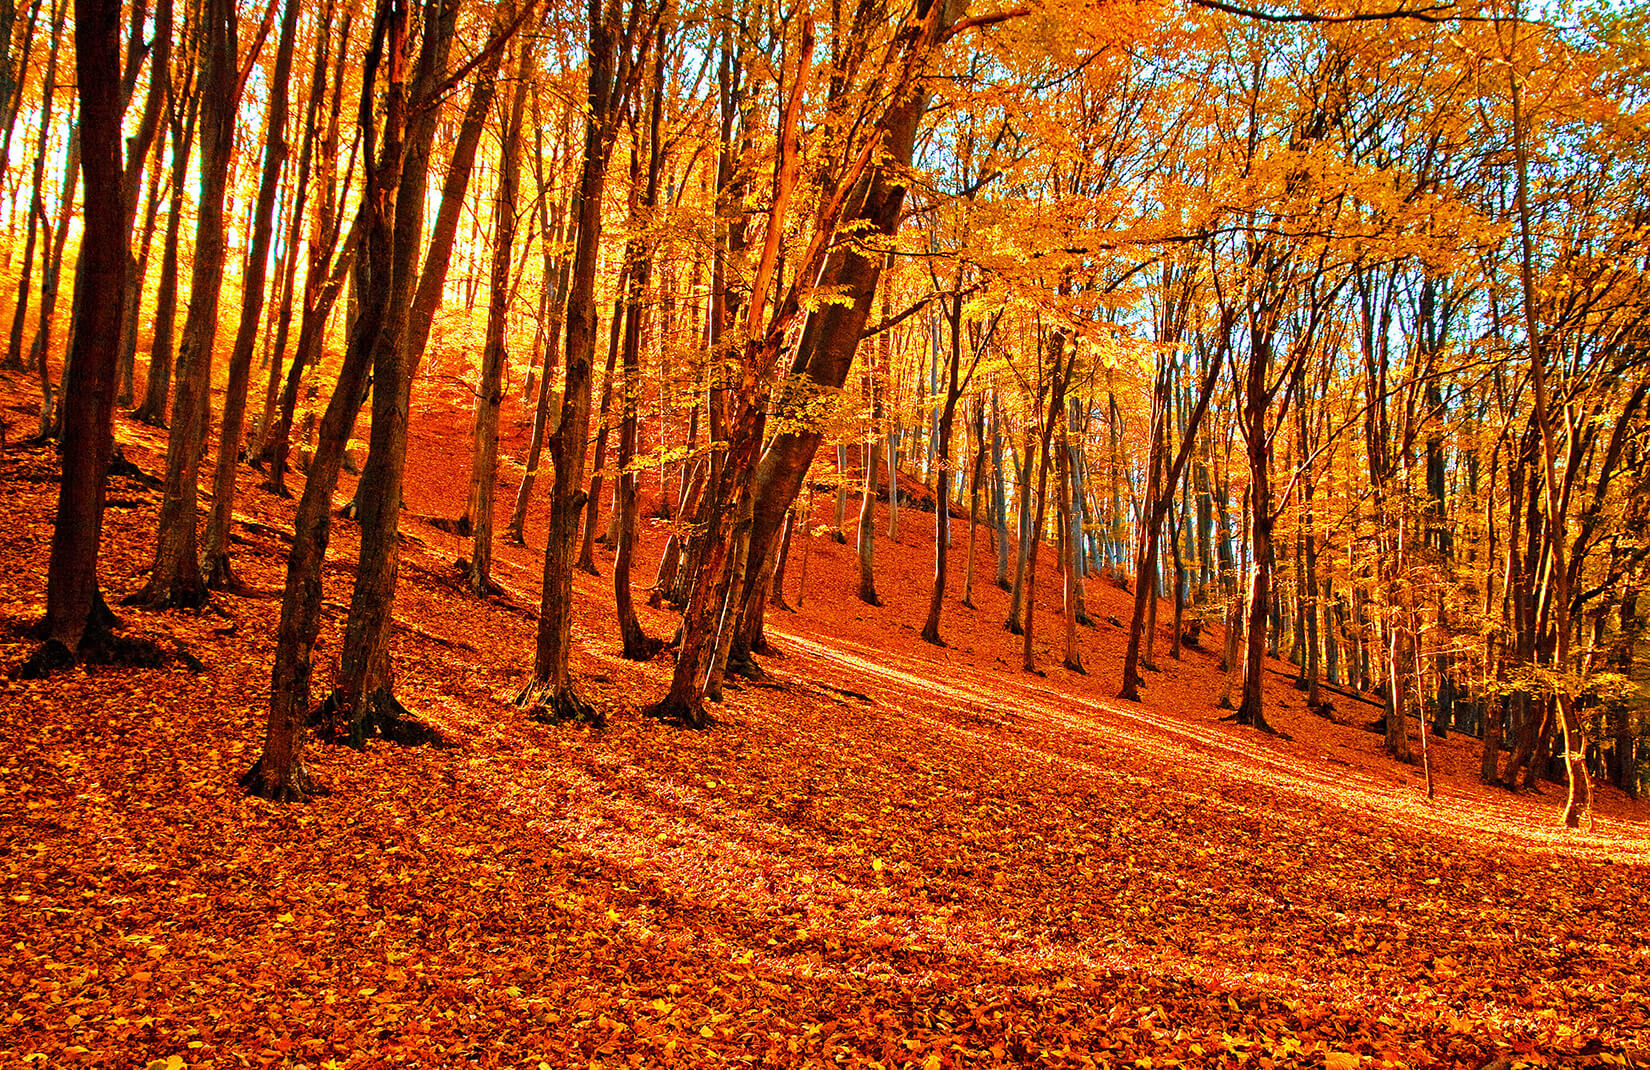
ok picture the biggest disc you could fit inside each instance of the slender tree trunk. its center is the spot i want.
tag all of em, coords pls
(636, 644)
(550, 691)
(175, 579)
(217, 568)
(555, 273)
(1068, 565)
(363, 699)
(158, 382)
(974, 498)
(587, 544)
(484, 465)
(866, 538)
(37, 202)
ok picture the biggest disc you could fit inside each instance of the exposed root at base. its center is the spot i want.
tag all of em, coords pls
(552, 706)
(385, 718)
(681, 714)
(296, 786)
(644, 649)
(175, 595)
(742, 665)
(1259, 724)
(99, 646)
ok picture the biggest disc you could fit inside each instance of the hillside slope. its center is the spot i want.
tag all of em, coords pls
(886, 854)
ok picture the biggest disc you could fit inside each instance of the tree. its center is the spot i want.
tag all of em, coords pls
(77, 620)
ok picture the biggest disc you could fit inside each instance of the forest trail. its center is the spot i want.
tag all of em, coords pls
(886, 853)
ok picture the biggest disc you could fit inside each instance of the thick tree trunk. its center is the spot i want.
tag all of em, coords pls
(76, 617)
(831, 334)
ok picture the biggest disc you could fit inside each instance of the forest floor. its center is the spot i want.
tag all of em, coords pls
(886, 854)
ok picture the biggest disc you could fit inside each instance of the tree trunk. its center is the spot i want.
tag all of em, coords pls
(175, 579)
(363, 699)
(587, 544)
(484, 463)
(37, 202)
(974, 498)
(77, 619)
(217, 568)
(550, 692)
(636, 644)
(555, 274)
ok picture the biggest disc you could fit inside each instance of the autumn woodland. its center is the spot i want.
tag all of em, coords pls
(886, 533)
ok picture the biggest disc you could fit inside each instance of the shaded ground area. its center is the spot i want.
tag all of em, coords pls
(888, 853)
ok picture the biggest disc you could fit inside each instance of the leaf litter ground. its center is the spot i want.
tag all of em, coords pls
(886, 854)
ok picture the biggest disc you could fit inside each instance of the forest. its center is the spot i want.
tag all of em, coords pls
(924, 533)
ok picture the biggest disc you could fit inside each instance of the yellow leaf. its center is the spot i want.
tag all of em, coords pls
(876, 864)
(1340, 1060)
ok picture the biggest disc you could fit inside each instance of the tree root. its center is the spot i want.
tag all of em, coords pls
(1258, 723)
(644, 648)
(175, 595)
(551, 705)
(385, 718)
(296, 786)
(681, 714)
(742, 665)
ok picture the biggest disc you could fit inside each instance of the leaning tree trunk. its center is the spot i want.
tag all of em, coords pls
(76, 617)
(175, 579)
(830, 334)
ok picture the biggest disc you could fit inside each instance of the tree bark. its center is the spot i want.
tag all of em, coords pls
(175, 578)
(77, 619)
(218, 572)
(363, 699)
(550, 692)
(484, 465)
